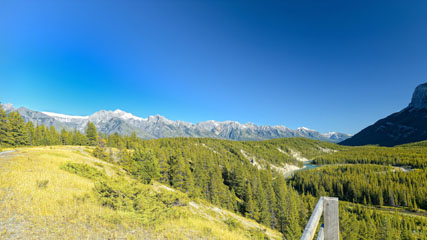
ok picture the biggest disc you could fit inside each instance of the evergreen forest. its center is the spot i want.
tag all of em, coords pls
(382, 190)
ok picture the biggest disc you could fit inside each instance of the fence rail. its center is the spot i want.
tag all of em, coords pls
(328, 206)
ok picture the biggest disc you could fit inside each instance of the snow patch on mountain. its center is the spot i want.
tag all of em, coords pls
(63, 117)
(124, 123)
(8, 107)
(305, 129)
(125, 115)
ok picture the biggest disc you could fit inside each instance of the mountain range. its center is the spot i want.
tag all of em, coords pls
(124, 123)
(408, 125)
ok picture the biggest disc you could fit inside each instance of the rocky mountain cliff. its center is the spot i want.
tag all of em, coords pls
(408, 125)
(157, 126)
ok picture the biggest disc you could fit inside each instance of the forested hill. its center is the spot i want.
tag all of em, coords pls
(247, 178)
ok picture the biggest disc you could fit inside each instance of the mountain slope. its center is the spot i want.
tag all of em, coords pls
(63, 192)
(408, 125)
(124, 123)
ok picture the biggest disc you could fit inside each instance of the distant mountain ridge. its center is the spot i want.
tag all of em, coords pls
(406, 126)
(124, 123)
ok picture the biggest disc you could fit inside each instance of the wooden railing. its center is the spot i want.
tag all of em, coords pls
(330, 228)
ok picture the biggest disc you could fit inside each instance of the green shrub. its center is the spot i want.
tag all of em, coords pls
(232, 223)
(258, 234)
(100, 153)
(84, 170)
(117, 194)
(150, 206)
(42, 183)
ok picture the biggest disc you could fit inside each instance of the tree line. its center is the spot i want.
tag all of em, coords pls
(219, 172)
(415, 156)
(367, 184)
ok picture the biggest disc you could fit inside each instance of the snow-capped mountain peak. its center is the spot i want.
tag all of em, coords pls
(63, 116)
(305, 129)
(157, 126)
(125, 115)
(8, 107)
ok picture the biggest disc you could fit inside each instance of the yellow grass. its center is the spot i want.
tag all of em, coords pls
(66, 207)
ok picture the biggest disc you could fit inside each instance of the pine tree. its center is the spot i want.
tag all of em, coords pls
(79, 138)
(164, 168)
(146, 165)
(263, 215)
(54, 138)
(38, 135)
(17, 129)
(386, 232)
(249, 205)
(5, 137)
(293, 229)
(29, 128)
(91, 134)
(181, 177)
(66, 137)
(100, 152)
(267, 180)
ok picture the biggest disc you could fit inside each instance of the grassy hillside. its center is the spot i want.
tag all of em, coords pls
(415, 144)
(64, 192)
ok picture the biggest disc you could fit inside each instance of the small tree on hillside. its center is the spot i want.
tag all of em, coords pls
(5, 138)
(91, 134)
(17, 129)
(145, 165)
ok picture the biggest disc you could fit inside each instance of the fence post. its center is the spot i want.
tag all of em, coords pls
(331, 218)
(320, 235)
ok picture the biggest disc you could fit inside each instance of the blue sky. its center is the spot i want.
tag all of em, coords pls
(326, 65)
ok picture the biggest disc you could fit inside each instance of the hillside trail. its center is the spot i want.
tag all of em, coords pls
(5, 153)
(4, 157)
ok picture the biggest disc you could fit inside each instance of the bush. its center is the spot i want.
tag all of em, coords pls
(151, 206)
(232, 224)
(84, 170)
(42, 183)
(100, 153)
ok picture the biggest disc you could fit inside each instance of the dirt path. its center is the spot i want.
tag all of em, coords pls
(4, 157)
(5, 153)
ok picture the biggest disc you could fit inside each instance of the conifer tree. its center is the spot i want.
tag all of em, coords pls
(280, 190)
(263, 214)
(181, 177)
(293, 229)
(66, 137)
(267, 180)
(146, 165)
(249, 205)
(5, 137)
(91, 134)
(38, 135)
(54, 138)
(164, 168)
(79, 138)
(29, 128)
(17, 129)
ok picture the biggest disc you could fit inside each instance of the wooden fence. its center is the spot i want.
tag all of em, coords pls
(330, 228)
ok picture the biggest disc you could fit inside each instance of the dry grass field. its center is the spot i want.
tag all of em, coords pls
(41, 200)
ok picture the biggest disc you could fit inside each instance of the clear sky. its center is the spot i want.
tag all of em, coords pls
(327, 65)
